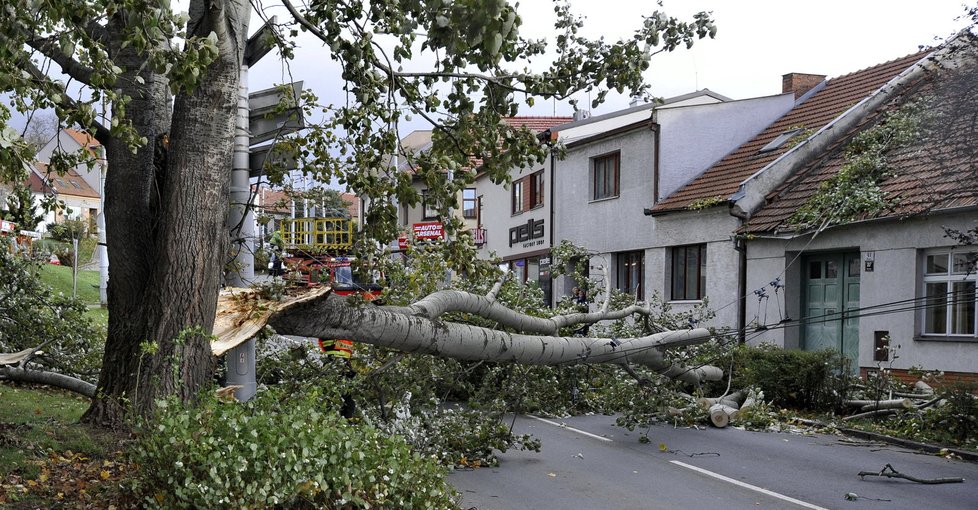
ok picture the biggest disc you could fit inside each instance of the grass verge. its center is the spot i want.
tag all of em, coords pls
(59, 278)
(47, 458)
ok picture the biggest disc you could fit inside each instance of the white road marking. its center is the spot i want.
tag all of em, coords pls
(572, 429)
(748, 486)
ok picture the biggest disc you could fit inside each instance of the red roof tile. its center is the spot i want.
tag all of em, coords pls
(69, 183)
(536, 124)
(839, 94)
(938, 171)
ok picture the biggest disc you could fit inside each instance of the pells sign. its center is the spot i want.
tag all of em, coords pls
(533, 229)
(428, 230)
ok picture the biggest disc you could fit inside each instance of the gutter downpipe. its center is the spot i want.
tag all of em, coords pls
(553, 207)
(741, 246)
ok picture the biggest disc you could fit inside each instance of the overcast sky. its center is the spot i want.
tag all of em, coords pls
(757, 42)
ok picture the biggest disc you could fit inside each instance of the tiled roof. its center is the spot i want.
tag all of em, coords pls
(272, 201)
(536, 124)
(352, 204)
(70, 183)
(938, 171)
(83, 138)
(838, 95)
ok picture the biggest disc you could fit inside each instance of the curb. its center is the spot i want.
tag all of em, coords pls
(906, 443)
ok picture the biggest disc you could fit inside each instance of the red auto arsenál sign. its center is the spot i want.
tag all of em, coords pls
(429, 230)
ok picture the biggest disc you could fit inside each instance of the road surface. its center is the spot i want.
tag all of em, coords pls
(589, 463)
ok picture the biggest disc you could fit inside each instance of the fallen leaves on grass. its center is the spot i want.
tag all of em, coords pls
(66, 480)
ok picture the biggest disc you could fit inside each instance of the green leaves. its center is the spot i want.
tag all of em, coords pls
(277, 451)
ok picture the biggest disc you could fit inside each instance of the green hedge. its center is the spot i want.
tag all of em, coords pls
(790, 378)
(279, 452)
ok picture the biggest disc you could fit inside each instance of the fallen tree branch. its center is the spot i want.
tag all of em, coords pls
(49, 378)
(871, 414)
(889, 472)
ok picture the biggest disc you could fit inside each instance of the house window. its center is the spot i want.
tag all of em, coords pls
(689, 272)
(536, 189)
(430, 210)
(468, 203)
(605, 175)
(517, 196)
(631, 271)
(949, 294)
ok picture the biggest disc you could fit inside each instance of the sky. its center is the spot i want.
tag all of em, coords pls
(757, 42)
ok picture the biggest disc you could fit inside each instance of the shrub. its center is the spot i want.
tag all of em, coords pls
(277, 451)
(788, 377)
(66, 256)
(32, 314)
(68, 230)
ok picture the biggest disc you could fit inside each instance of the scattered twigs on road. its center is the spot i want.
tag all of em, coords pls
(889, 472)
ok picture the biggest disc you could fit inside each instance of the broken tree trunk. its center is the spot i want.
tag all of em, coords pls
(721, 415)
(872, 405)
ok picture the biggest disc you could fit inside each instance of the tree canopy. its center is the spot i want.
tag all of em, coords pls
(159, 90)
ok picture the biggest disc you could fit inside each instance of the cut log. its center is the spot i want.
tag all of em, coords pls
(900, 403)
(748, 402)
(720, 415)
(868, 405)
(923, 387)
(871, 414)
(732, 400)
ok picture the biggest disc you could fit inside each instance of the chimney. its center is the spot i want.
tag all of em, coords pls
(582, 114)
(799, 83)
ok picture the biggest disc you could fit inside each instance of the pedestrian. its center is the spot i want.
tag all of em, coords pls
(276, 265)
(580, 301)
(339, 353)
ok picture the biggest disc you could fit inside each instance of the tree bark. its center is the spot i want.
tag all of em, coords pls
(334, 318)
(166, 206)
(49, 378)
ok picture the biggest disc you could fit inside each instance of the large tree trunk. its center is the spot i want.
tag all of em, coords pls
(391, 327)
(165, 212)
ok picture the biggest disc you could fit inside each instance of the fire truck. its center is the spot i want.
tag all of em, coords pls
(319, 253)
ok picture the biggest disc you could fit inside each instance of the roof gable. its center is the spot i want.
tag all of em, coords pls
(812, 113)
(937, 169)
(69, 183)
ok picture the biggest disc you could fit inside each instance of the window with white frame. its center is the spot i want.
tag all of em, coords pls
(631, 271)
(517, 197)
(605, 175)
(688, 272)
(468, 203)
(949, 294)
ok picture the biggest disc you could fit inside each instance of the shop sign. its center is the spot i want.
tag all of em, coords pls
(533, 229)
(429, 230)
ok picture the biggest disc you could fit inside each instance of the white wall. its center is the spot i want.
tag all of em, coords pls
(693, 138)
(896, 246)
(713, 227)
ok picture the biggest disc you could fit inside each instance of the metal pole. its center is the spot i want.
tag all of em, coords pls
(241, 218)
(241, 359)
(103, 248)
(74, 269)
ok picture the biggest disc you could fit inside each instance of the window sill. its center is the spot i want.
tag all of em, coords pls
(538, 206)
(517, 213)
(605, 199)
(685, 302)
(945, 339)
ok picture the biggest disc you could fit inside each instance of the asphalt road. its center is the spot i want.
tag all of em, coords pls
(589, 463)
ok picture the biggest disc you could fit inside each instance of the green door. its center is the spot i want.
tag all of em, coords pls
(830, 299)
